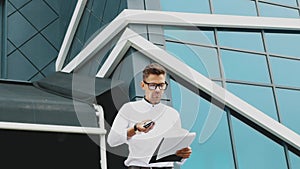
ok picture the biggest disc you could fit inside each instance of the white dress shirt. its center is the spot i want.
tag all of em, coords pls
(142, 145)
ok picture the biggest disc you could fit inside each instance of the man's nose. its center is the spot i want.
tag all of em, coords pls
(157, 89)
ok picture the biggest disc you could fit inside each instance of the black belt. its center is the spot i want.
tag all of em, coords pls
(137, 167)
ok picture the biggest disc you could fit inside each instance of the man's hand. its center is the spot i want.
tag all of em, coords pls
(184, 153)
(141, 128)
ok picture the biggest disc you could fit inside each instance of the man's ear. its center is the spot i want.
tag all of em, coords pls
(142, 85)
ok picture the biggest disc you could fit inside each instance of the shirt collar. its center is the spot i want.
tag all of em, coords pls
(149, 103)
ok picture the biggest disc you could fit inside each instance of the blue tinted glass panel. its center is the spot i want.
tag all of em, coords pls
(288, 101)
(260, 97)
(285, 2)
(285, 71)
(203, 60)
(255, 150)
(268, 10)
(241, 40)
(195, 36)
(245, 66)
(214, 150)
(234, 7)
(294, 160)
(193, 6)
(283, 43)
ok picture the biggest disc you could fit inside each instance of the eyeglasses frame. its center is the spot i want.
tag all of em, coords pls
(156, 85)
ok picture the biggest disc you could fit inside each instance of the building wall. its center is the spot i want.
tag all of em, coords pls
(97, 14)
(259, 66)
(34, 31)
(135, 62)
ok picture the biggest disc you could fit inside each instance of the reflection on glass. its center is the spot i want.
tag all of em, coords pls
(245, 66)
(193, 6)
(255, 150)
(203, 60)
(268, 10)
(288, 101)
(283, 43)
(285, 71)
(260, 97)
(234, 7)
(241, 40)
(197, 36)
(294, 160)
(285, 2)
(214, 153)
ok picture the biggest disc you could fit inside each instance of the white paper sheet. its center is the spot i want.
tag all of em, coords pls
(173, 143)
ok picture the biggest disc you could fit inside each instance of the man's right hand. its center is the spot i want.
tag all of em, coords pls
(141, 128)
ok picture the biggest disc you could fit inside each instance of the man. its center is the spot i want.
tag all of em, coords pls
(129, 125)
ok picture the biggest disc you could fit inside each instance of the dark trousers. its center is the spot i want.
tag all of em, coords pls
(136, 167)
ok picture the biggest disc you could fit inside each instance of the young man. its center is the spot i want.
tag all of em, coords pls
(129, 125)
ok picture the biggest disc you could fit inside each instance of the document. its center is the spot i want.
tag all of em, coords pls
(166, 150)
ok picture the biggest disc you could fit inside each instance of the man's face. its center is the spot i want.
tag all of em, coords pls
(155, 95)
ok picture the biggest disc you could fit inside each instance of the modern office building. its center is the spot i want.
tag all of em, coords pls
(233, 72)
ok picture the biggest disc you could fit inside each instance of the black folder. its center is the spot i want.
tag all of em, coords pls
(168, 158)
(177, 142)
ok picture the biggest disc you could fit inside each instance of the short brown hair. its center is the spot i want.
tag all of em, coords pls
(153, 68)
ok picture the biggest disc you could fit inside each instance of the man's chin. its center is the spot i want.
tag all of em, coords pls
(156, 100)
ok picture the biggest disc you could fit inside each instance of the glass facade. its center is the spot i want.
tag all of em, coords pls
(265, 8)
(259, 66)
(216, 152)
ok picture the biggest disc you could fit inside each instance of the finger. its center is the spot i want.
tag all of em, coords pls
(186, 149)
(184, 155)
(152, 126)
(183, 152)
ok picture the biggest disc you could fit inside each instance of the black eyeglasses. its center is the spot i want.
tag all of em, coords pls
(153, 86)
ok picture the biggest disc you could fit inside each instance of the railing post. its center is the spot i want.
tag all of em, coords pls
(100, 114)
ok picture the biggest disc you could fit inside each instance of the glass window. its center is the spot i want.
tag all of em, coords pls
(254, 150)
(288, 101)
(203, 60)
(277, 11)
(241, 40)
(283, 43)
(193, 6)
(251, 93)
(234, 7)
(198, 115)
(285, 71)
(295, 160)
(245, 66)
(195, 36)
(285, 2)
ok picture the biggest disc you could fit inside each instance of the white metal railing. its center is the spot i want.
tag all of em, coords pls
(100, 114)
(51, 128)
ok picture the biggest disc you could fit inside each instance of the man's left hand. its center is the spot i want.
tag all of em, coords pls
(185, 152)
